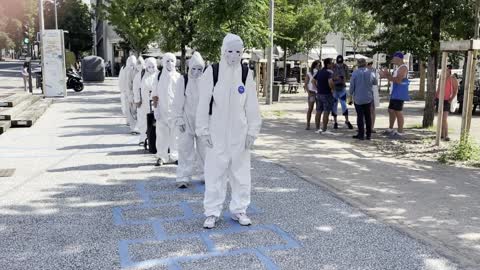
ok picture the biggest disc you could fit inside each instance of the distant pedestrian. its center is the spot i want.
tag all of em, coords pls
(361, 89)
(312, 92)
(451, 90)
(398, 96)
(108, 69)
(323, 81)
(340, 72)
(25, 75)
(376, 95)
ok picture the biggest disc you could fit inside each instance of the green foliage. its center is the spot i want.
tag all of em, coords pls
(5, 42)
(359, 26)
(216, 18)
(300, 25)
(463, 150)
(135, 21)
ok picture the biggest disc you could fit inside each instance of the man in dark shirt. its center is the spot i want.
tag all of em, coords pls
(323, 81)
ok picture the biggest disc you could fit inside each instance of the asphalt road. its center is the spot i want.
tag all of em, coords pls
(85, 196)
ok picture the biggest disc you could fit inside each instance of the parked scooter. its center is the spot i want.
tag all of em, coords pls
(74, 80)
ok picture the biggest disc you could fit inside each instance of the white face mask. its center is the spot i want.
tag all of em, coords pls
(150, 69)
(315, 70)
(196, 72)
(169, 65)
(234, 55)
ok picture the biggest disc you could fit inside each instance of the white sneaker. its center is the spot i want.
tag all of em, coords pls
(326, 132)
(210, 222)
(242, 219)
(318, 131)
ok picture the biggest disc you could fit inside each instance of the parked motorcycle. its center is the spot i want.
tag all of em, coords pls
(74, 80)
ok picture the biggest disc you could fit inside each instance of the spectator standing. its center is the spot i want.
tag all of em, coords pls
(323, 81)
(108, 69)
(25, 75)
(398, 96)
(451, 90)
(361, 89)
(376, 95)
(312, 92)
(340, 71)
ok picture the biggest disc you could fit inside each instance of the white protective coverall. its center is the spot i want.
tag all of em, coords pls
(142, 95)
(131, 110)
(137, 80)
(164, 92)
(191, 153)
(230, 131)
(121, 87)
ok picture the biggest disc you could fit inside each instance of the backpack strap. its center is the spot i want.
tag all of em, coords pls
(143, 73)
(245, 69)
(185, 80)
(159, 74)
(215, 80)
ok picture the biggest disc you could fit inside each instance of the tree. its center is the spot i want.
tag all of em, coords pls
(180, 19)
(359, 28)
(299, 25)
(5, 42)
(419, 22)
(135, 21)
(216, 18)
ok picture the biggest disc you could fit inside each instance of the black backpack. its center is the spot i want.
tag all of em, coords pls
(215, 68)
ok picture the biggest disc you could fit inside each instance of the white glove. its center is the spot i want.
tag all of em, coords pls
(182, 128)
(249, 142)
(206, 140)
(156, 113)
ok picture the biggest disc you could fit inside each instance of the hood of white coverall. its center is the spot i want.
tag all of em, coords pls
(151, 65)
(166, 87)
(140, 64)
(235, 110)
(149, 80)
(186, 99)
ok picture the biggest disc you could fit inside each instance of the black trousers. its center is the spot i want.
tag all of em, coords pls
(364, 119)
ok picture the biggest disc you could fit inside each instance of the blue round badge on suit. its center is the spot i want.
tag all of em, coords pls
(241, 89)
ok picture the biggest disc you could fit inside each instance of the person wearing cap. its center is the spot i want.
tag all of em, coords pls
(340, 71)
(399, 95)
(451, 90)
(361, 89)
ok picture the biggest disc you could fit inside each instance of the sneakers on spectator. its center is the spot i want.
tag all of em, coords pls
(358, 137)
(318, 131)
(349, 125)
(326, 132)
(242, 219)
(395, 136)
(210, 222)
(388, 132)
(335, 126)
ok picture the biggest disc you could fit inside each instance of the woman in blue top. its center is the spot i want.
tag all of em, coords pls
(399, 94)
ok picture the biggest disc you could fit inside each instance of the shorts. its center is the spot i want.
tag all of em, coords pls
(446, 105)
(396, 105)
(311, 97)
(324, 103)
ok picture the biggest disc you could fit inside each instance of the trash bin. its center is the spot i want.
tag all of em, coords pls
(276, 93)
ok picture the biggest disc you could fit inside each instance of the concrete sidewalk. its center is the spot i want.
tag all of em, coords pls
(86, 196)
(434, 203)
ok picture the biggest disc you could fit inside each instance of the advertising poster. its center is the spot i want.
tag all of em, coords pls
(53, 58)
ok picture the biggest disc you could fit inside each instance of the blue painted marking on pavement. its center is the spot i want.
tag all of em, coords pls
(288, 242)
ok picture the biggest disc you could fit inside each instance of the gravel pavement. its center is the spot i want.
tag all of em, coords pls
(85, 196)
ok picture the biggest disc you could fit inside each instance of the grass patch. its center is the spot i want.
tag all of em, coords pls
(464, 150)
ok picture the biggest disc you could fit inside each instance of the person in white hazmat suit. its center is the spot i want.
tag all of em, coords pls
(142, 96)
(130, 107)
(162, 96)
(191, 153)
(228, 133)
(137, 80)
(121, 87)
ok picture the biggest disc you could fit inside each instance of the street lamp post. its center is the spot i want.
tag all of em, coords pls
(269, 85)
(56, 18)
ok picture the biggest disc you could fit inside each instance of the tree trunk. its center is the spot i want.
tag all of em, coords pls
(285, 64)
(421, 65)
(183, 59)
(429, 112)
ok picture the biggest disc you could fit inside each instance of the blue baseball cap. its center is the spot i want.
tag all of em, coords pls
(398, 54)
